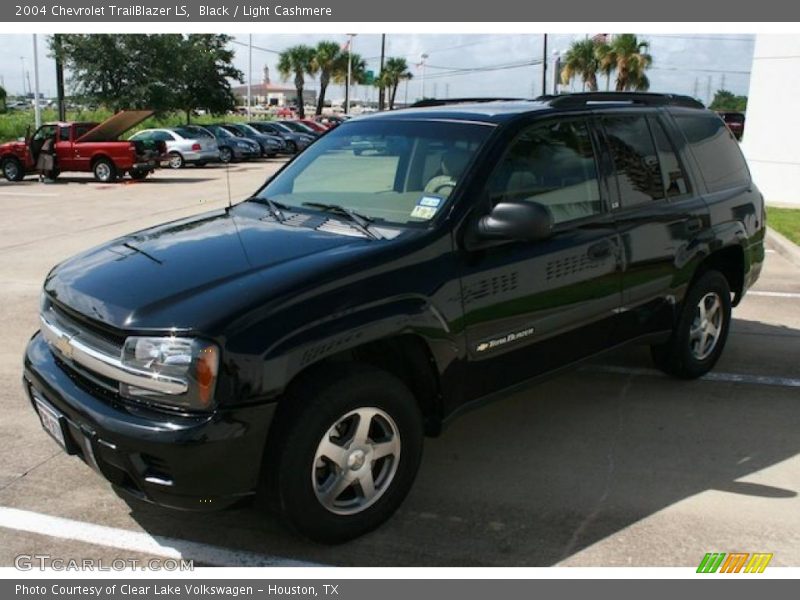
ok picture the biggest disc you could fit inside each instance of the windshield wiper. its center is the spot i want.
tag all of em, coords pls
(361, 221)
(275, 208)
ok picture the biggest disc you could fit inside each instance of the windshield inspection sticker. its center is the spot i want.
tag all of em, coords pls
(426, 207)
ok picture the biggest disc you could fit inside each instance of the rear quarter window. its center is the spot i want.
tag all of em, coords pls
(715, 149)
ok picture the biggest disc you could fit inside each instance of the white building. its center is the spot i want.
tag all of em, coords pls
(771, 140)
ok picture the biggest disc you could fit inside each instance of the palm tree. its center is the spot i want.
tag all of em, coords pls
(394, 71)
(327, 59)
(358, 71)
(581, 61)
(297, 61)
(627, 55)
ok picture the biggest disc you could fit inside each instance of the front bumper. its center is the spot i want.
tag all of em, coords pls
(197, 462)
(240, 153)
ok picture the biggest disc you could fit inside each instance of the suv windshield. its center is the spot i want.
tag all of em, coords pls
(389, 170)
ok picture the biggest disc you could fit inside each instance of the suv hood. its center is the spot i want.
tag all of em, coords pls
(194, 273)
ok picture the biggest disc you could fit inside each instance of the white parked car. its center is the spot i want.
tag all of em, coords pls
(184, 146)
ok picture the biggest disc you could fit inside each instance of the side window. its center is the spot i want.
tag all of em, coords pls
(44, 132)
(635, 159)
(63, 133)
(552, 164)
(715, 149)
(672, 173)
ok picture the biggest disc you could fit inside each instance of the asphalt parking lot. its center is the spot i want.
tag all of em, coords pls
(612, 465)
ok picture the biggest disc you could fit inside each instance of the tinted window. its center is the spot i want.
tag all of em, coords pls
(673, 176)
(635, 160)
(715, 149)
(551, 164)
(81, 130)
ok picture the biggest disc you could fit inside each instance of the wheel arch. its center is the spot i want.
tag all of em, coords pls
(730, 261)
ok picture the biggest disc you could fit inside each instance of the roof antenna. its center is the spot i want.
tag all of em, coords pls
(228, 184)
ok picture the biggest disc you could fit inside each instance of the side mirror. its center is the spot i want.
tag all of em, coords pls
(521, 221)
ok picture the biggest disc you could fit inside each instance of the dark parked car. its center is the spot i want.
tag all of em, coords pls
(300, 344)
(300, 127)
(232, 146)
(295, 142)
(735, 122)
(270, 145)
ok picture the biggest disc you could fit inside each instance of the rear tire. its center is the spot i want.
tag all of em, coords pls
(291, 146)
(104, 171)
(13, 170)
(176, 160)
(139, 175)
(319, 445)
(701, 331)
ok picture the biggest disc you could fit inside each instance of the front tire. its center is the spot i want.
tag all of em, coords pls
(225, 155)
(291, 146)
(702, 329)
(13, 170)
(104, 171)
(346, 453)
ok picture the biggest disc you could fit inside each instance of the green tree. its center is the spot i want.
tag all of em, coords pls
(157, 72)
(626, 55)
(204, 70)
(727, 100)
(3, 96)
(581, 61)
(394, 71)
(327, 61)
(299, 62)
(358, 71)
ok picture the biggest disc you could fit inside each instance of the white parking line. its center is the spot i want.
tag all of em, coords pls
(32, 194)
(775, 294)
(713, 376)
(134, 541)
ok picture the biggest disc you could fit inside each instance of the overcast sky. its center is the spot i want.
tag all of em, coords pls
(682, 64)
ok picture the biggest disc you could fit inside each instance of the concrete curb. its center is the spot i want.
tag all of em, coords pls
(783, 246)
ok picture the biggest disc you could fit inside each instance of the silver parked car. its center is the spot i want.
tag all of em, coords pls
(184, 146)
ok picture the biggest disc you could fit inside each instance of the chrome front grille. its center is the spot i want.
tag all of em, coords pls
(98, 358)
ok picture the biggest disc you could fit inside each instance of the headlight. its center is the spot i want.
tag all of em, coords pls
(192, 361)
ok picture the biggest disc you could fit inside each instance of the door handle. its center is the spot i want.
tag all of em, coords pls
(599, 250)
(694, 225)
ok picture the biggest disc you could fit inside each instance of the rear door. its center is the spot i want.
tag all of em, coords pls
(658, 214)
(531, 307)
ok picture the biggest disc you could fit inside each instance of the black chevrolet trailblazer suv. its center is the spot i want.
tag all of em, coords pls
(299, 345)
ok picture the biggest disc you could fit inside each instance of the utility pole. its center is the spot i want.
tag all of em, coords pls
(423, 57)
(250, 75)
(722, 83)
(381, 90)
(60, 100)
(696, 85)
(708, 88)
(349, 73)
(556, 70)
(544, 65)
(37, 107)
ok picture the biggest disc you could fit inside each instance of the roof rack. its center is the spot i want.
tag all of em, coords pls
(644, 98)
(426, 102)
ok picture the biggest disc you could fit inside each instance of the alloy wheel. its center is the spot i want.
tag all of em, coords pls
(707, 326)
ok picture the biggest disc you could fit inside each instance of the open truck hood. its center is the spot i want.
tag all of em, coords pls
(115, 126)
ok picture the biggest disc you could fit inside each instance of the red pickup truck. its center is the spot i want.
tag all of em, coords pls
(86, 147)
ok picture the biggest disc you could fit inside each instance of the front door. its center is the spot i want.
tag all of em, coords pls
(531, 307)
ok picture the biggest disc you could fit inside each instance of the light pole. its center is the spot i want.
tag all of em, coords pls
(423, 57)
(349, 73)
(556, 70)
(24, 89)
(37, 108)
(249, 73)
